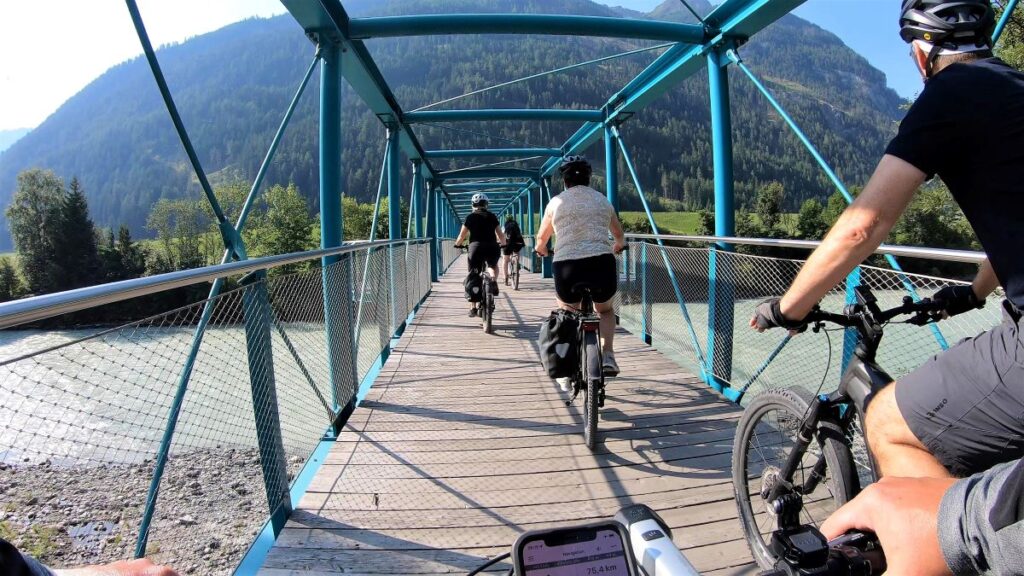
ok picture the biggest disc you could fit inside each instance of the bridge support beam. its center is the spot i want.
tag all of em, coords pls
(258, 319)
(337, 302)
(611, 167)
(721, 277)
(546, 267)
(432, 230)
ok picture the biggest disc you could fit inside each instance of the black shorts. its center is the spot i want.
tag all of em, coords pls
(966, 405)
(599, 272)
(512, 247)
(481, 253)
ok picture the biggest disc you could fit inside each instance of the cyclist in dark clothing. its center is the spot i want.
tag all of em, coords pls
(514, 242)
(961, 412)
(485, 241)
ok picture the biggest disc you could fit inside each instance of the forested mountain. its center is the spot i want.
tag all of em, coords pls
(9, 137)
(233, 85)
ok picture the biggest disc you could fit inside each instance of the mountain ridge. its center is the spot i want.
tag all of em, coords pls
(232, 86)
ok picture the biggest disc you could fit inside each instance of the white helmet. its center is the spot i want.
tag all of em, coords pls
(479, 199)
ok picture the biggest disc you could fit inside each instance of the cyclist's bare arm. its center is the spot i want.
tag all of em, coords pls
(615, 226)
(985, 282)
(547, 228)
(501, 235)
(858, 232)
(463, 234)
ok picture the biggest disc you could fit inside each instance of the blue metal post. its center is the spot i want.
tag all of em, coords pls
(258, 319)
(337, 314)
(611, 167)
(720, 277)
(850, 336)
(545, 195)
(432, 230)
(1001, 25)
(419, 196)
(394, 219)
(646, 316)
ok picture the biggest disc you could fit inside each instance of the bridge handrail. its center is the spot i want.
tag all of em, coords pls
(49, 305)
(944, 254)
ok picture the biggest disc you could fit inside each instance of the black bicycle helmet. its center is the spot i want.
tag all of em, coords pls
(576, 167)
(951, 24)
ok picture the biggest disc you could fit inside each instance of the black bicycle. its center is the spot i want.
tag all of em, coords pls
(514, 267)
(794, 456)
(588, 377)
(487, 286)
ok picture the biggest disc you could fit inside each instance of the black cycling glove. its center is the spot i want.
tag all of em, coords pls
(958, 299)
(768, 314)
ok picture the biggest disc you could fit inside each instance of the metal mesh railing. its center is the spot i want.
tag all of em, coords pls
(82, 415)
(668, 293)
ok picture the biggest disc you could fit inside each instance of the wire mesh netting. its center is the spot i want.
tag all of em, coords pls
(669, 292)
(83, 413)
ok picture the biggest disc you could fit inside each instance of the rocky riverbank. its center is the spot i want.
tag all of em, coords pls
(212, 504)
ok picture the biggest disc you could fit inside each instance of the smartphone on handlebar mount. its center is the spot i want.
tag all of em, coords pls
(591, 549)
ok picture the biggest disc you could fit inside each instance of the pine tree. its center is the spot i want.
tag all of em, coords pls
(811, 223)
(10, 284)
(75, 246)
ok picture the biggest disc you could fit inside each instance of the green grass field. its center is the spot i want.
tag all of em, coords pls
(670, 222)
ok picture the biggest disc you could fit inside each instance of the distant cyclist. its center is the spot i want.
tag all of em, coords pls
(581, 218)
(514, 242)
(485, 241)
(962, 412)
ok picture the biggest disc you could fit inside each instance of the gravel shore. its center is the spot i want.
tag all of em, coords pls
(211, 505)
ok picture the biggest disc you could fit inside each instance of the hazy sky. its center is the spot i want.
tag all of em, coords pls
(51, 49)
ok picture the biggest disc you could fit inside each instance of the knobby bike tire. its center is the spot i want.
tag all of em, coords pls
(515, 278)
(754, 449)
(488, 310)
(594, 377)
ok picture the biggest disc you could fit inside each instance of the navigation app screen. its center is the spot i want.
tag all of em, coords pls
(602, 555)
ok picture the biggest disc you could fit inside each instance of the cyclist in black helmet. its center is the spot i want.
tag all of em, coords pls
(514, 242)
(962, 412)
(485, 241)
(581, 218)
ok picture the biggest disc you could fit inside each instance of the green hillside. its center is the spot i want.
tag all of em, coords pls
(233, 85)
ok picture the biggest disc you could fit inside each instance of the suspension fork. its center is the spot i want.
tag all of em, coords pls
(805, 434)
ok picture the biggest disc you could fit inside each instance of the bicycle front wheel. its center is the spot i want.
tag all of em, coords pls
(765, 437)
(594, 376)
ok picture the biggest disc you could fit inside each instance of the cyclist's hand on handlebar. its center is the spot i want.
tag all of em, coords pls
(958, 299)
(768, 315)
(618, 247)
(903, 513)
(541, 250)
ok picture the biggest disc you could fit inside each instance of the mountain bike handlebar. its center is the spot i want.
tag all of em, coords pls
(923, 312)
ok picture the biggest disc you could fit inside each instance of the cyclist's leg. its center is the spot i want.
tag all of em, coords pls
(604, 278)
(492, 265)
(564, 273)
(963, 406)
(897, 450)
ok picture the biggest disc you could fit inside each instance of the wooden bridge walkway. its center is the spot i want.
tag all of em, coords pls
(464, 442)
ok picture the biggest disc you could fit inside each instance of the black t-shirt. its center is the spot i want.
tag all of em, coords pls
(967, 126)
(481, 227)
(512, 232)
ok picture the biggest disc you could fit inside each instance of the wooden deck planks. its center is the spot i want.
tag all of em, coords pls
(463, 443)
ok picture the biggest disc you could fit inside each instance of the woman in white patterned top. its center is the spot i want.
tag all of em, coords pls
(581, 218)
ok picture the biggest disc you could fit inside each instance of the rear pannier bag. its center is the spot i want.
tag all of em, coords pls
(474, 286)
(559, 350)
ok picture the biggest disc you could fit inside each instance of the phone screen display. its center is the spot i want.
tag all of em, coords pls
(579, 553)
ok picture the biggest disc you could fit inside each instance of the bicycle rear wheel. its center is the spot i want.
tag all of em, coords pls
(765, 436)
(594, 377)
(515, 277)
(487, 309)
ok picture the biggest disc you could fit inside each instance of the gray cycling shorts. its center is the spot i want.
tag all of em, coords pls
(966, 405)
